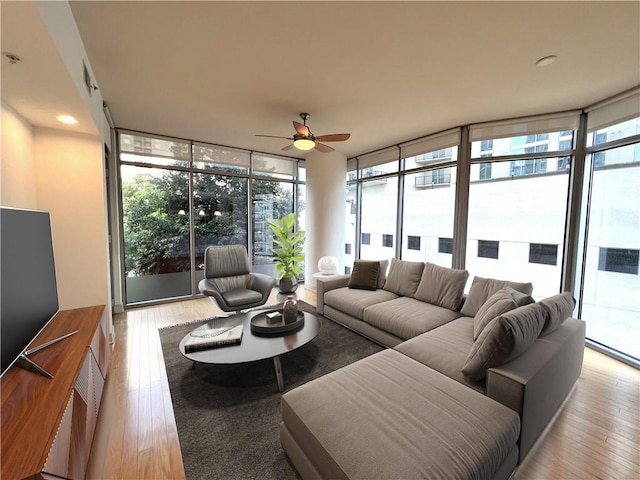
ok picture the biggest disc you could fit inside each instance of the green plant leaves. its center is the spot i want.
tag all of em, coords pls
(289, 243)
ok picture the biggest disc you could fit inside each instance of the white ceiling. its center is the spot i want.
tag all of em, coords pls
(386, 72)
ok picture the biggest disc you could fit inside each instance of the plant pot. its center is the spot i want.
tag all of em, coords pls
(288, 285)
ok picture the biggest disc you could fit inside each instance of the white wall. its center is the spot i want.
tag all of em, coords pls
(17, 166)
(70, 184)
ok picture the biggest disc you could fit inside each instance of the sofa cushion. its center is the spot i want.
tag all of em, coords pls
(364, 275)
(407, 317)
(483, 288)
(504, 338)
(503, 301)
(445, 349)
(404, 277)
(442, 286)
(388, 416)
(558, 308)
(353, 302)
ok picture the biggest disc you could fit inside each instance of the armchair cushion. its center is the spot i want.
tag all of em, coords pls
(241, 297)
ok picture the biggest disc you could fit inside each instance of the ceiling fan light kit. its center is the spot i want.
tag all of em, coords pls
(304, 143)
(304, 140)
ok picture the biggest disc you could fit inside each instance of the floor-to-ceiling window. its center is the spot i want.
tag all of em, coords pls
(179, 197)
(156, 213)
(518, 199)
(610, 300)
(379, 203)
(429, 198)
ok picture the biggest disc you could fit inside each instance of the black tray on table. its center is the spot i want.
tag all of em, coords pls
(260, 324)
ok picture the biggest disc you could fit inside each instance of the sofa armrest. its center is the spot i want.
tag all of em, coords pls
(536, 383)
(323, 285)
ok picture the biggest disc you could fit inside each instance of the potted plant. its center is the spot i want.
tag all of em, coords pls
(287, 251)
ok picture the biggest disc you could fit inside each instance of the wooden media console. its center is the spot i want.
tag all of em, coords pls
(48, 424)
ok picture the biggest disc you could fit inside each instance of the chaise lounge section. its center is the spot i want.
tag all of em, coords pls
(449, 355)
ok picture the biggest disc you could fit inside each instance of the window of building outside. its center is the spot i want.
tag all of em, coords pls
(347, 248)
(488, 248)
(522, 194)
(413, 242)
(543, 254)
(445, 245)
(610, 302)
(158, 210)
(428, 214)
(618, 260)
(387, 240)
(366, 239)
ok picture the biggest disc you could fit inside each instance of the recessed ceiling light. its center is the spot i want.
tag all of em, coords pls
(544, 61)
(68, 119)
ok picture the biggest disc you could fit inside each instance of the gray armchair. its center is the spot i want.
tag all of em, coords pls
(228, 279)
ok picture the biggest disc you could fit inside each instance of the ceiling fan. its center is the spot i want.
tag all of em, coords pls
(303, 139)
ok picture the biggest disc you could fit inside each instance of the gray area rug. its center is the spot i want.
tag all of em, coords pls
(228, 417)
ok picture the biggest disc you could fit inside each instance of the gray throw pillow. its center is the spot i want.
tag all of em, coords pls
(558, 308)
(482, 288)
(500, 302)
(404, 277)
(364, 275)
(442, 286)
(503, 301)
(503, 339)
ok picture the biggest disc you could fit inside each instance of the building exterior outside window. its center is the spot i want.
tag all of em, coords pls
(542, 253)
(413, 242)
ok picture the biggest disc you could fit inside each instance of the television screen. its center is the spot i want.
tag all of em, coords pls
(29, 294)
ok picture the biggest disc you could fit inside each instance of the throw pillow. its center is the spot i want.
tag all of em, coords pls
(500, 302)
(364, 275)
(503, 339)
(558, 308)
(483, 288)
(404, 277)
(442, 286)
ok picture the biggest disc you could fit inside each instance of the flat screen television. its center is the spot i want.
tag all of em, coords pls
(28, 280)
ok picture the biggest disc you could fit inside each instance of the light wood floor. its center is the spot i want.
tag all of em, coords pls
(596, 435)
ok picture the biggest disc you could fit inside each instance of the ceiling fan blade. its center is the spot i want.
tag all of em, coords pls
(274, 136)
(288, 147)
(301, 129)
(321, 147)
(334, 137)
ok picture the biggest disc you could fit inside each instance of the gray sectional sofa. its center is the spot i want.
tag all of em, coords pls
(467, 386)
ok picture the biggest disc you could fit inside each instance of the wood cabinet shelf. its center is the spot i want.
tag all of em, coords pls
(48, 424)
